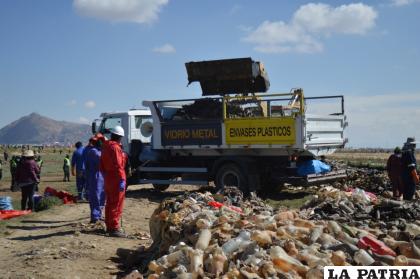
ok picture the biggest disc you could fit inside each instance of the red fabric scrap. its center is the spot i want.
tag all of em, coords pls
(8, 214)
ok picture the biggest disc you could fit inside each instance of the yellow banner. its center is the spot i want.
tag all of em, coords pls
(260, 131)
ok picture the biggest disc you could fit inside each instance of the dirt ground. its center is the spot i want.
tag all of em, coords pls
(59, 243)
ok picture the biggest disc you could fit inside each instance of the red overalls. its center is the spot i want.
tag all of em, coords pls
(112, 165)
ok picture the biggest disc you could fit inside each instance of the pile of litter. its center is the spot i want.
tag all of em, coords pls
(371, 180)
(205, 235)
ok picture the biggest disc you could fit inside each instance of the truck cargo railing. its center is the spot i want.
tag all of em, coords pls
(296, 104)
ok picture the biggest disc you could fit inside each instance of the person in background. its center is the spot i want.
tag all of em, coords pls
(394, 169)
(86, 172)
(27, 177)
(78, 170)
(112, 166)
(1, 169)
(409, 168)
(66, 168)
(5, 155)
(95, 179)
(14, 162)
(39, 161)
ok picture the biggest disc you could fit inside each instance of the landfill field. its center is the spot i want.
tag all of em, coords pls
(190, 232)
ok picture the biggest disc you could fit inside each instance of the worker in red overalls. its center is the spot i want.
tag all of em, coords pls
(112, 166)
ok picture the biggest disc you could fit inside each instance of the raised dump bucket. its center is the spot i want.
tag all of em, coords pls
(228, 76)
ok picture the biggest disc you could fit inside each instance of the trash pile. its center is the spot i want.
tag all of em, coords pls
(372, 180)
(205, 235)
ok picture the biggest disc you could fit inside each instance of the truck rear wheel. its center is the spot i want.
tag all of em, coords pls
(161, 187)
(231, 174)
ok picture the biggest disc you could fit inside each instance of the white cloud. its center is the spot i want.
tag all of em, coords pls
(83, 120)
(400, 3)
(139, 11)
(90, 104)
(381, 120)
(376, 121)
(309, 25)
(166, 48)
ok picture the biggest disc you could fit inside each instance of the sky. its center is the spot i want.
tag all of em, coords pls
(73, 59)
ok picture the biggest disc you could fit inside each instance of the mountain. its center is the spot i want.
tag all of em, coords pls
(38, 129)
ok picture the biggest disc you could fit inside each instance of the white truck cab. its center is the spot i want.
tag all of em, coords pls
(132, 121)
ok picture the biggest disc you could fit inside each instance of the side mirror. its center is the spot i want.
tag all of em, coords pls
(93, 127)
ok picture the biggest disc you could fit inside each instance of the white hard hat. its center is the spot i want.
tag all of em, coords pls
(118, 130)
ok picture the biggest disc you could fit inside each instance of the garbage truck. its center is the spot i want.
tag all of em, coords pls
(235, 135)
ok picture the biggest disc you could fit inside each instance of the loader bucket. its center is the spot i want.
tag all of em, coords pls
(228, 76)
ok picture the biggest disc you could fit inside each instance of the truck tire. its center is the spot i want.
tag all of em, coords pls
(161, 187)
(230, 174)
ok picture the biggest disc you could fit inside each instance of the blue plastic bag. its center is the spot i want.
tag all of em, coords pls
(6, 203)
(312, 167)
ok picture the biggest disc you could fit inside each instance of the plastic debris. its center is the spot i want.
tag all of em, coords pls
(203, 235)
(6, 203)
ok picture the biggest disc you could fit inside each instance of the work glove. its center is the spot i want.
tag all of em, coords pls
(415, 176)
(122, 185)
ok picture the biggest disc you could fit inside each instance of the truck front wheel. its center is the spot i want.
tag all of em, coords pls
(231, 175)
(161, 187)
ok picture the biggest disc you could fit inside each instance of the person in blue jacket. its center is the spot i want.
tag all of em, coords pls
(78, 170)
(409, 169)
(95, 179)
(87, 170)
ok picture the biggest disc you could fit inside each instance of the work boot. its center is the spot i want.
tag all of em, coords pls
(116, 233)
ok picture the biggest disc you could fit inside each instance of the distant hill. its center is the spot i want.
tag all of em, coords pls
(38, 129)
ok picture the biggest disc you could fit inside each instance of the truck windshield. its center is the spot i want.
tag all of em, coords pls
(109, 123)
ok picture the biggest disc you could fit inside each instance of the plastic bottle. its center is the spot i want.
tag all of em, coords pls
(312, 260)
(345, 238)
(315, 273)
(362, 257)
(338, 258)
(416, 250)
(218, 263)
(286, 263)
(196, 262)
(290, 247)
(377, 246)
(261, 237)
(236, 243)
(412, 229)
(303, 223)
(389, 260)
(203, 239)
(315, 234)
(348, 248)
